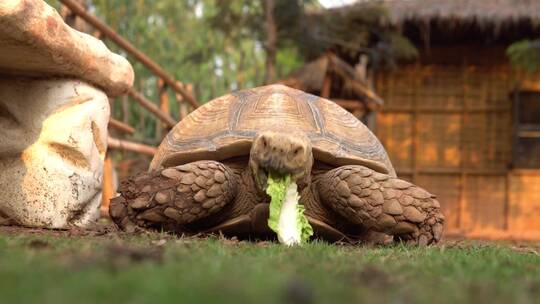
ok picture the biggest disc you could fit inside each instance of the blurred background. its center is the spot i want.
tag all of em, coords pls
(451, 88)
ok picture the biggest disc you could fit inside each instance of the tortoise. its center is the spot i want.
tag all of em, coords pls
(210, 172)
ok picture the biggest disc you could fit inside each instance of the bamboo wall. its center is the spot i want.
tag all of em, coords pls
(449, 129)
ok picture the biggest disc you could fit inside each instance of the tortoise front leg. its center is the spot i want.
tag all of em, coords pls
(383, 203)
(173, 197)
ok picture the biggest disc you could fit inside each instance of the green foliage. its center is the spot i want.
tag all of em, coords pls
(525, 54)
(215, 45)
(219, 45)
(356, 29)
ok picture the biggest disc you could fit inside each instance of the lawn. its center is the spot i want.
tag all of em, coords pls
(108, 267)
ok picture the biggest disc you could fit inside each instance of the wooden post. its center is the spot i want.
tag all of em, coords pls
(163, 106)
(183, 107)
(109, 187)
(271, 40)
(414, 135)
(118, 125)
(147, 104)
(125, 109)
(184, 111)
(128, 47)
(115, 143)
(327, 84)
(462, 151)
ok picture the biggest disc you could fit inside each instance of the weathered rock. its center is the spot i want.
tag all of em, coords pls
(53, 138)
(35, 41)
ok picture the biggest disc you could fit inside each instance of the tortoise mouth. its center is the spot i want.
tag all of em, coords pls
(264, 172)
(277, 170)
(280, 154)
(261, 173)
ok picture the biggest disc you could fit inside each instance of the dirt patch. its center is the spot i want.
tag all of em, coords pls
(298, 291)
(103, 228)
(372, 277)
(39, 244)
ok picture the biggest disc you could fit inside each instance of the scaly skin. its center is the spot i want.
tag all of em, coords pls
(174, 196)
(205, 194)
(383, 203)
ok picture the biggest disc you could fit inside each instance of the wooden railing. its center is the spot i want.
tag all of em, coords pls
(184, 97)
(183, 93)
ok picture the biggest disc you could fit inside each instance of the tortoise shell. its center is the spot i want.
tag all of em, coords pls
(226, 126)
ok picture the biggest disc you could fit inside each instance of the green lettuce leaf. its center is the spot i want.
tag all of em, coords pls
(277, 189)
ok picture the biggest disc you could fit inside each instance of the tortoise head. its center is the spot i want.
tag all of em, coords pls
(281, 154)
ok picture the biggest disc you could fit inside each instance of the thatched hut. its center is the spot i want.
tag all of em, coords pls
(460, 120)
(333, 78)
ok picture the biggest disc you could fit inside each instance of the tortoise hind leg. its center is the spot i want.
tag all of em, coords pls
(383, 203)
(173, 197)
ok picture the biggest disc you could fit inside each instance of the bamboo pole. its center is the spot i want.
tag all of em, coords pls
(414, 136)
(109, 190)
(147, 104)
(128, 47)
(327, 85)
(182, 106)
(445, 111)
(163, 106)
(118, 125)
(462, 200)
(350, 104)
(125, 109)
(121, 144)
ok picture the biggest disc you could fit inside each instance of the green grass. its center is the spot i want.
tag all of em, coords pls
(53, 268)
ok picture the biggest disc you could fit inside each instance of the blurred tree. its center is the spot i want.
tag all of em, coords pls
(182, 37)
(525, 54)
(271, 39)
(271, 24)
(225, 45)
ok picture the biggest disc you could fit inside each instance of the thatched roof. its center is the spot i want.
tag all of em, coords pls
(481, 12)
(310, 78)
